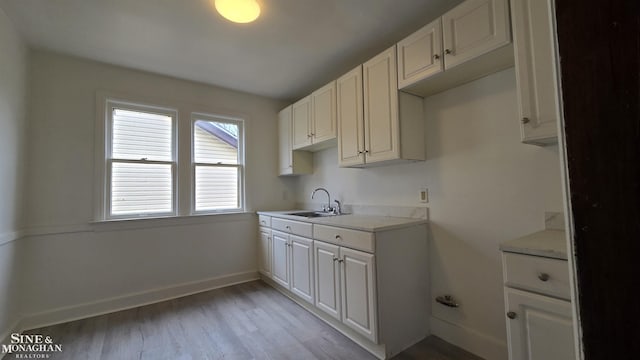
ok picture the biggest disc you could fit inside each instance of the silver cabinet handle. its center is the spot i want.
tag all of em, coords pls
(512, 315)
(335, 259)
(436, 57)
(288, 227)
(447, 51)
(338, 237)
(543, 277)
(525, 120)
(340, 260)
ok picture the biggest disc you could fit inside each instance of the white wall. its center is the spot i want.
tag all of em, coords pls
(13, 81)
(72, 263)
(485, 187)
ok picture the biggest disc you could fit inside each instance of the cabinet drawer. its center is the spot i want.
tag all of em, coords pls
(292, 227)
(355, 239)
(539, 274)
(264, 220)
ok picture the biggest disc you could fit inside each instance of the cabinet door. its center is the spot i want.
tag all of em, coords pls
(291, 162)
(359, 292)
(381, 123)
(300, 131)
(327, 278)
(350, 118)
(280, 262)
(420, 54)
(284, 142)
(474, 28)
(541, 329)
(324, 113)
(302, 267)
(264, 263)
(535, 70)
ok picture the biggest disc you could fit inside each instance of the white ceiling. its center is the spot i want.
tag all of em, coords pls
(294, 47)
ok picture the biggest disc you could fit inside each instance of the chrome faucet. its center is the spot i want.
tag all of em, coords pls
(338, 208)
(324, 208)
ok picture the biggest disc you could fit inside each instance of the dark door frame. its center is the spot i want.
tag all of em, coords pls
(599, 50)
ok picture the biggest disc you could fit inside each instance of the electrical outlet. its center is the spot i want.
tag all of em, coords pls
(424, 195)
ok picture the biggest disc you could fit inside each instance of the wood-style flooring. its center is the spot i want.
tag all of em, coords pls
(246, 321)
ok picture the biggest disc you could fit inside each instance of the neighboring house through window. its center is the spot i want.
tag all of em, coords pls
(217, 164)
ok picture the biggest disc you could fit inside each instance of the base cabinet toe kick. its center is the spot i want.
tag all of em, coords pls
(365, 284)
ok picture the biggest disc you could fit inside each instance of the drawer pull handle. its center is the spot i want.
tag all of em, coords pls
(338, 237)
(512, 315)
(335, 259)
(543, 277)
(288, 227)
(341, 260)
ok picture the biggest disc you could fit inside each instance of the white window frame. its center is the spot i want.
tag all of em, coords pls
(110, 104)
(195, 116)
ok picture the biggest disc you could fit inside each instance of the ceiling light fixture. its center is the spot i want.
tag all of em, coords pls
(238, 11)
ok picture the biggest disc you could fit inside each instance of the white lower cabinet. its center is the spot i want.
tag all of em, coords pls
(327, 276)
(539, 327)
(301, 254)
(264, 252)
(358, 295)
(293, 264)
(345, 287)
(372, 286)
(280, 255)
(538, 308)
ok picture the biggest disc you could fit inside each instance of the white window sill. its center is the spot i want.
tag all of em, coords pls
(161, 221)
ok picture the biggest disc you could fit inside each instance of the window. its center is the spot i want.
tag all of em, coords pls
(217, 163)
(147, 168)
(141, 161)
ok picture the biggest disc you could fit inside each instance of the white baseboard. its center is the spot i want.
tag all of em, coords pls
(101, 307)
(473, 341)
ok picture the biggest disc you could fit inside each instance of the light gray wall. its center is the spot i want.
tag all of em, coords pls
(73, 263)
(13, 82)
(485, 187)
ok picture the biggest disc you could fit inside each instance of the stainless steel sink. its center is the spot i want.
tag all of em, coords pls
(312, 214)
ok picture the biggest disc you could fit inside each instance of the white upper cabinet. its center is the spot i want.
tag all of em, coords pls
(291, 162)
(534, 45)
(391, 125)
(323, 103)
(350, 118)
(314, 119)
(381, 130)
(469, 41)
(301, 123)
(474, 28)
(420, 54)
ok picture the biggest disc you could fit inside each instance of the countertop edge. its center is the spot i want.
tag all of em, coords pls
(544, 243)
(405, 222)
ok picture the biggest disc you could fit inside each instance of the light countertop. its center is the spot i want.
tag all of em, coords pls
(371, 223)
(546, 243)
